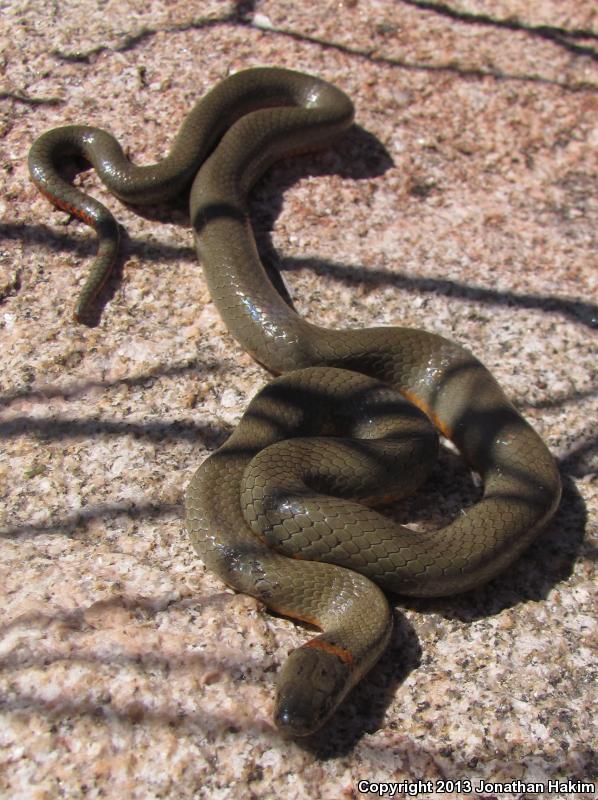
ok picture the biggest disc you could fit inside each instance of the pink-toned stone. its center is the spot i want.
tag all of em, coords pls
(129, 671)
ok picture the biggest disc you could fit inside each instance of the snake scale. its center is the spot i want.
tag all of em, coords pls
(300, 471)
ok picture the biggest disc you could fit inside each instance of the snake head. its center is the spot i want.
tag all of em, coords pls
(311, 684)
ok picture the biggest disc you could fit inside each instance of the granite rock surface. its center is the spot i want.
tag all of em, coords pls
(463, 202)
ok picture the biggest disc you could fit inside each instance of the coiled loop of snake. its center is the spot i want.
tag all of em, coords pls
(227, 141)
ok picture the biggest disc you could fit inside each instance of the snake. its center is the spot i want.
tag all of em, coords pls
(286, 509)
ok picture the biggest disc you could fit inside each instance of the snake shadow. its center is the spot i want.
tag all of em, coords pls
(359, 156)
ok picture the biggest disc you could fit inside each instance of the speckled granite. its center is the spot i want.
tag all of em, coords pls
(465, 203)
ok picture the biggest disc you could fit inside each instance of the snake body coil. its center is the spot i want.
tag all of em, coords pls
(272, 476)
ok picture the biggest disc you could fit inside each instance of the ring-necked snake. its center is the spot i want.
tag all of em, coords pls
(245, 498)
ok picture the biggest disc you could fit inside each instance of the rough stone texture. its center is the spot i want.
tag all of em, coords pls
(464, 203)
